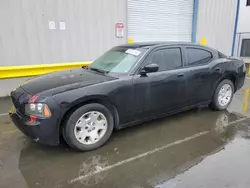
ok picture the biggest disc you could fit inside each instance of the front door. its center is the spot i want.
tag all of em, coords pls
(164, 90)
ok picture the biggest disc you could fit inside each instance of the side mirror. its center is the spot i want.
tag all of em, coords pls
(150, 68)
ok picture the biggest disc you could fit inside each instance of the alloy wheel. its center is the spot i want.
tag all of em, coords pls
(225, 95)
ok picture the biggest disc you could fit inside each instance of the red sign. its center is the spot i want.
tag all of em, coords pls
(119, 30)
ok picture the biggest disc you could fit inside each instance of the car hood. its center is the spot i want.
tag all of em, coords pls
(64, 80)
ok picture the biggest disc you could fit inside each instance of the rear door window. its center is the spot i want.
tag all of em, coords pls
(198, 56)
(166, 59)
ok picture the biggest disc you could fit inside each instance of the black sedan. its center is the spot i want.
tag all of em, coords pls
(129, 84)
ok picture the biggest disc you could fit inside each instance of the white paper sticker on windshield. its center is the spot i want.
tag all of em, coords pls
(133, 52)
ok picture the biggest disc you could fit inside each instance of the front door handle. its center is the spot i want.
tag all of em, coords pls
(180, 75)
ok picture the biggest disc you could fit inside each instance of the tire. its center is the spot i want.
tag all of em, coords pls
(215, 104)
(78, 124)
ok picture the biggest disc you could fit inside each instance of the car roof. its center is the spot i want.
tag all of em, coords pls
(153, 44)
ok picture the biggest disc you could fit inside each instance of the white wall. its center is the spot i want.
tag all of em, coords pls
(7, 85)
(244, 17)
(26, 38)
(215, 22)
(243, 29)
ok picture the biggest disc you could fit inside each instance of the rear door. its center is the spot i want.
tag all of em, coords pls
(201, 75)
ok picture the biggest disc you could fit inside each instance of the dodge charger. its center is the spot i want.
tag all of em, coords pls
(127, 85)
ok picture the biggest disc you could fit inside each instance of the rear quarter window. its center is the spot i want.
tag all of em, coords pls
(221, 55)
(198, 56)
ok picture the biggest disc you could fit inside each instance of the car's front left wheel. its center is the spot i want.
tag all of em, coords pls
(88, 127)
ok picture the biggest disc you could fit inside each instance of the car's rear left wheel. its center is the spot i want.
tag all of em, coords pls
(223, 95)
(88, 127)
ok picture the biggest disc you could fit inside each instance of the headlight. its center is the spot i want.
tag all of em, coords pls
(37, 109)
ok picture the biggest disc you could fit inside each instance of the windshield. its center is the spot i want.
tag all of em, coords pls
(117, 60)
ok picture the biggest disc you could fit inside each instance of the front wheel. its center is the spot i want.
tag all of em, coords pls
(223, 95)
(88, 127)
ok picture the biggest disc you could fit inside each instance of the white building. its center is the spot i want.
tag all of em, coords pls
(242, 44)
(56, 31)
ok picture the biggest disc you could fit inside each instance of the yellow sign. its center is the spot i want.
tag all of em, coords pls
(204, 41)
(130, 40)
(245, 103)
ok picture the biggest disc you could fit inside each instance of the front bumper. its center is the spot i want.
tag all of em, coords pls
(45, 131)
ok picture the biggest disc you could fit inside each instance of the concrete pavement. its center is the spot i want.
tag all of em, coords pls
(197, 148)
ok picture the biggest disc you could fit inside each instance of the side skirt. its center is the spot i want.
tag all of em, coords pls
(200, 105)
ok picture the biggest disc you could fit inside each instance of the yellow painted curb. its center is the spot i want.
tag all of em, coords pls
(34, 70)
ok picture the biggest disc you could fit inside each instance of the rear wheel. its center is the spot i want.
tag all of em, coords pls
(88, 127)
(223, 95)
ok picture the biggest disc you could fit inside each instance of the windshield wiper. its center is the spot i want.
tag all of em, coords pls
(85, 67)
(98, 70)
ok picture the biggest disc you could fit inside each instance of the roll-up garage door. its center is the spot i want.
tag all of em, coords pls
(160, 20)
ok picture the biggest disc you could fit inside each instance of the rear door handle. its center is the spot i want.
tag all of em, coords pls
(217, 69)
(180, 75)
